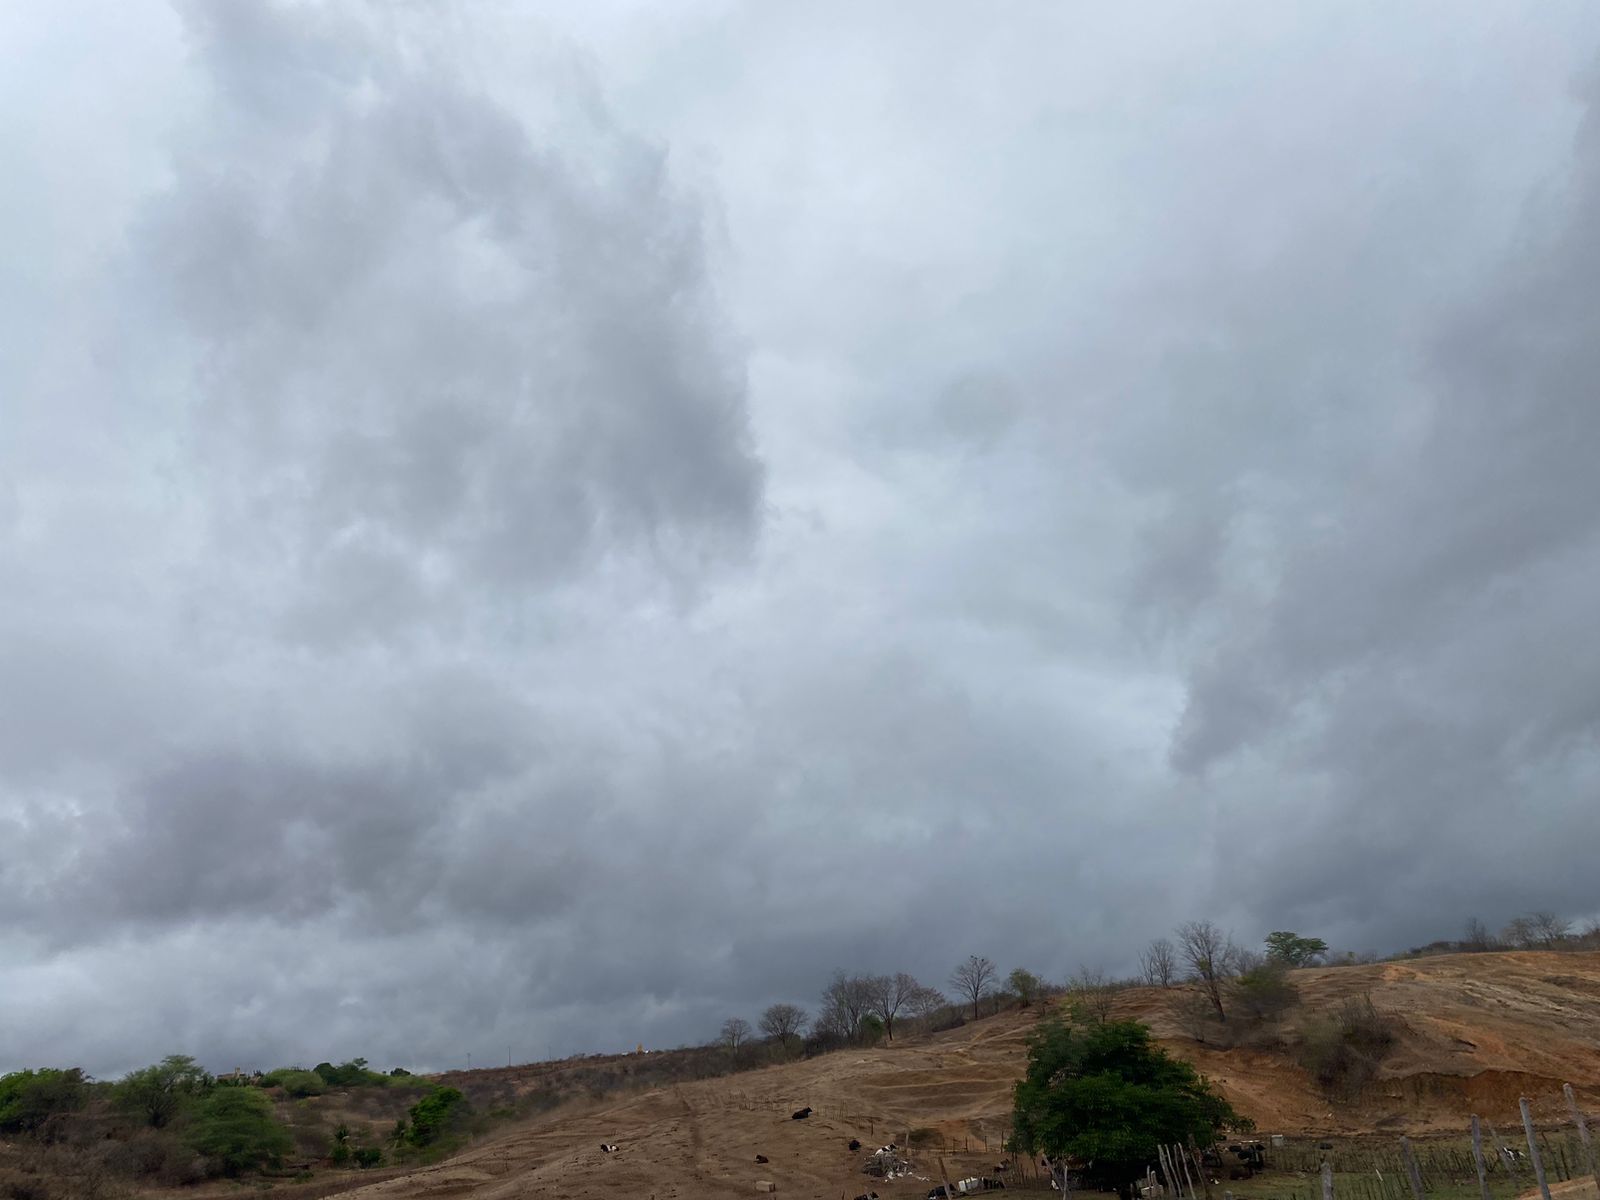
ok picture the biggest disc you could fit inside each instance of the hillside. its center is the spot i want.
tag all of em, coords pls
(1474, 1032)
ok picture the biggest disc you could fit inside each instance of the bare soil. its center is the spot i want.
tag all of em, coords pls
(1475, 1032)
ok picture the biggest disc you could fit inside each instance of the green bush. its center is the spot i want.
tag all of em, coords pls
(368, 1156)
(295, 1082)
(236, 1129)
(30, 1098)
(433, 1117)
(1106, 1095)
(161, 1092)
(351, 1074)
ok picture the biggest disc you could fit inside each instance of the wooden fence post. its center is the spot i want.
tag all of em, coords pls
(1533, 1148)
(1183, 1161)
(1200, 1166)
(1413, 1173)
(1477, 1159)
(1583, 1133)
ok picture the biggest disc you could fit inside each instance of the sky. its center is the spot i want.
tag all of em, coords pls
(530, 528)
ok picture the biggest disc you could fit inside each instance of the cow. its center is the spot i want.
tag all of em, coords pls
(801, 1115)
(855, 1143)
(761, 1158)
(868, 1196)
(608, 1148)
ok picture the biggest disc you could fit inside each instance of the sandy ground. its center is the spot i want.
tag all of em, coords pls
(1476, 1032)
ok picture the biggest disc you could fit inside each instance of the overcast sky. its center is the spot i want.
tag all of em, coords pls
(536, 528)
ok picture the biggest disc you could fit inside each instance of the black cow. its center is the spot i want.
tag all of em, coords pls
(855, 1144)
(760, 1158)
(801, 1115)
(607, 1148)
(868, 1196)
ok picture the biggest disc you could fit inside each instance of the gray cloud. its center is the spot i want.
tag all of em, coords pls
(527, 533)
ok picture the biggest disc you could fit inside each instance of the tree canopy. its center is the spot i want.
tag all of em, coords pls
(1105, 1096)
(1293, 950)
(237, 1128)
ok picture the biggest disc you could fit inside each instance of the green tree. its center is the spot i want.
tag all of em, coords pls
(1105, 1096)
(1025, 984)
(432, 1117)
(1293, 950)
(236, 1129)
(30, 1098)
(159, 1093)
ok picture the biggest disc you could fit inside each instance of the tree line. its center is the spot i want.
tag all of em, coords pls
(862, 1009)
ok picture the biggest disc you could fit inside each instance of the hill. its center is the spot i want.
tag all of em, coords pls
(1472, 1032)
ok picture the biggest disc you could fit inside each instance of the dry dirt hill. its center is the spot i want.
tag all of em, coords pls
(1475, 1031)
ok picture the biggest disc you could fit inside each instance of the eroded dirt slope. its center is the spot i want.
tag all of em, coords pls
(1474, 1032)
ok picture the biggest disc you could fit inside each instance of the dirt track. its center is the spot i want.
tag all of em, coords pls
(1476, 1031)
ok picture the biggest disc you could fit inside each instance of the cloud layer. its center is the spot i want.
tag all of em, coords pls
(541, 535)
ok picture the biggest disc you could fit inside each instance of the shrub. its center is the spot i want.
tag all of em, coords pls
(433, 1117)
(159, 1093)
(368, 1156)
(237, 1130)
(159, 1156)
(296, 1083)
(1264, 991)
(1343, 1051)
(351, 1074)
(1106, 1095)
(28, 1099)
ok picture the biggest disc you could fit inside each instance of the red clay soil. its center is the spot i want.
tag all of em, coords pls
(1474, 1033)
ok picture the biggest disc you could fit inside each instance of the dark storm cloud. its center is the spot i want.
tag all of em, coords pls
(528, 534)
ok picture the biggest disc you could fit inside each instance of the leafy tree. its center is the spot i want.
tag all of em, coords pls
(1106, 1096)
(973, 979)
(30, 1098)
(1025, 984)
(871, 1031)
(296, 1083)
(236, 1128)
(1293, 950)
(159, 1093)
(435, 1115)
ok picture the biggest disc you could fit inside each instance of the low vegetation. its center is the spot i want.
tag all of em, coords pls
(1103, 1094)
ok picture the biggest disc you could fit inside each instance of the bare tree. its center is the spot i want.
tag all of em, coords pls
(1476, 935)
(845, 1000)
(1093, 993)
(784, 1023)
(1210, 954)
(735, 1033)
(1549, 929)
(973, 979)
(925, 1002)
(1159, 963)
(1520, 933)
(888, 994)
